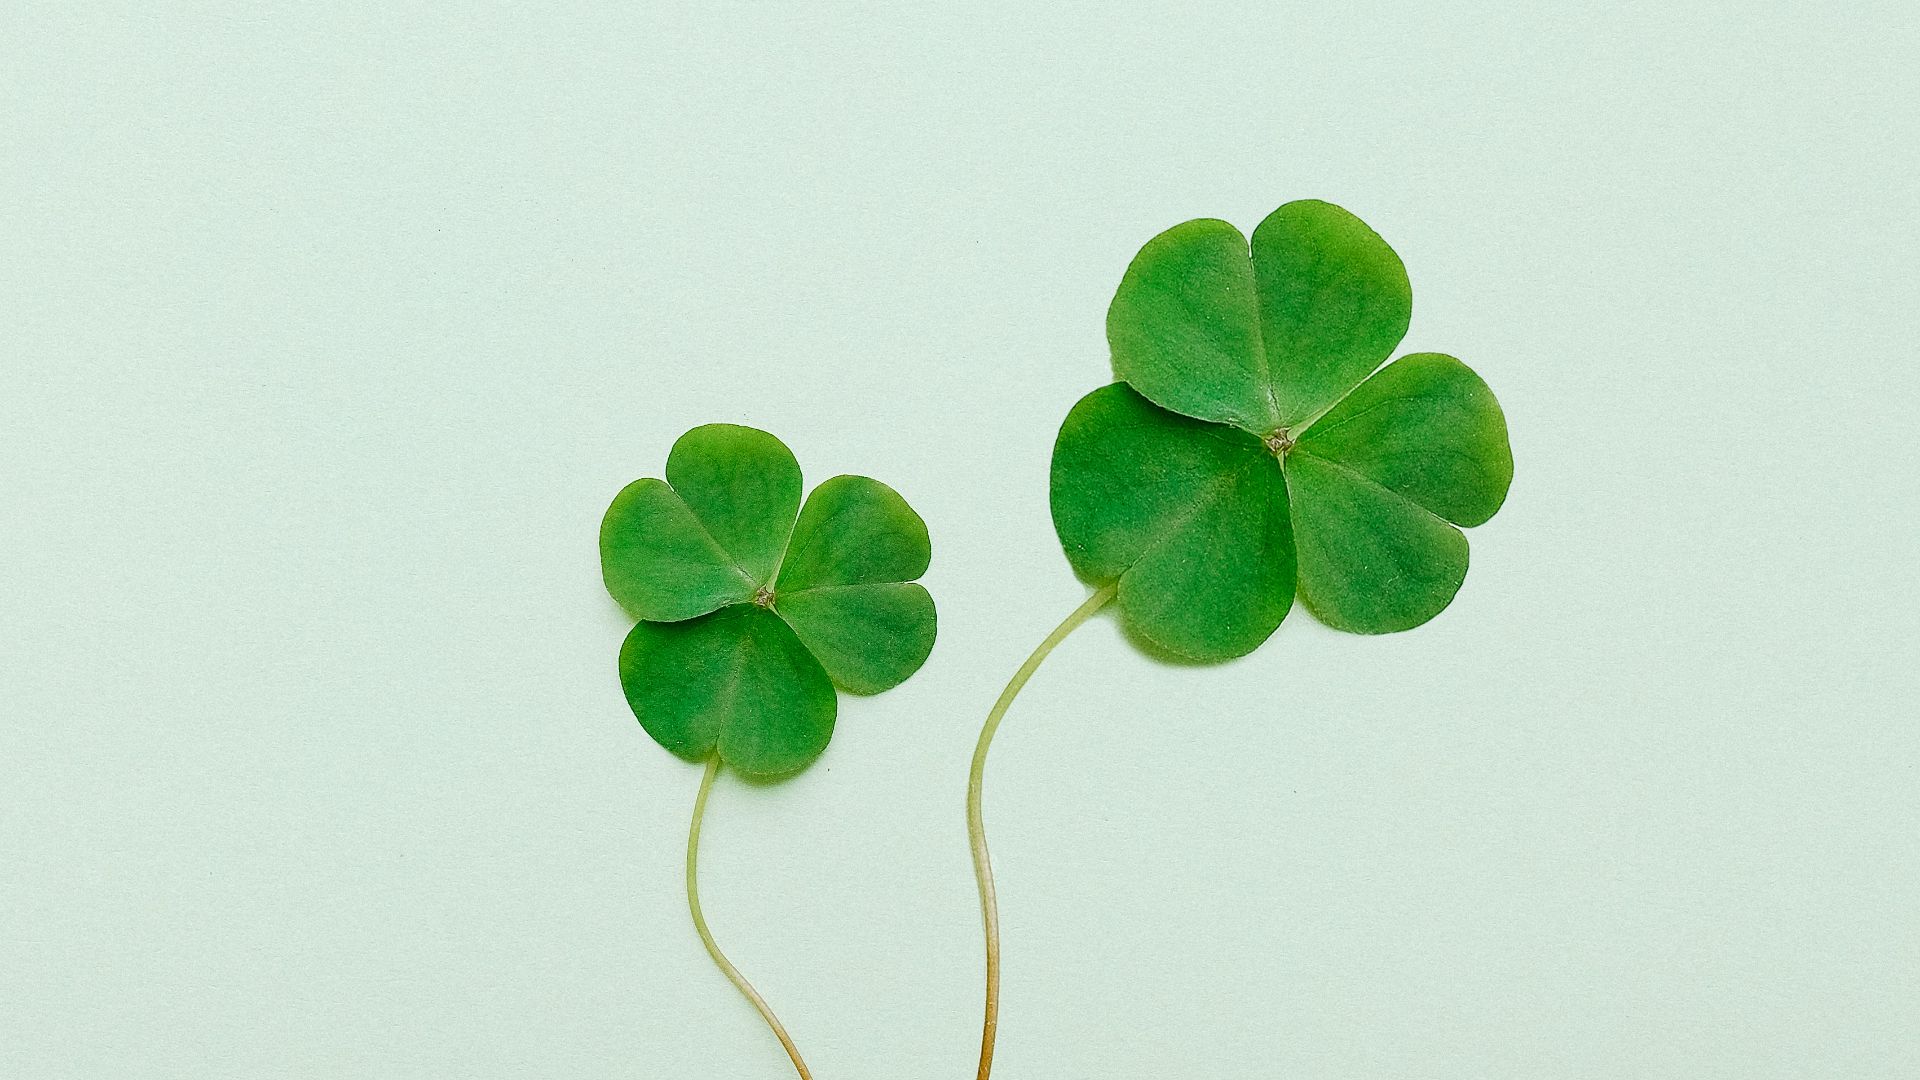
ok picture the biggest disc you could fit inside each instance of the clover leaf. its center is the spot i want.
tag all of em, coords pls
(1251, 448)
(753, 608)
(1255, 449)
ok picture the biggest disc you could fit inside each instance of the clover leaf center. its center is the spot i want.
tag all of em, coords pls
(1279, 441)
(764, 597)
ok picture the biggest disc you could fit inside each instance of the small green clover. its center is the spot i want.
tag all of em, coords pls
(752, 607)
(1251, 444)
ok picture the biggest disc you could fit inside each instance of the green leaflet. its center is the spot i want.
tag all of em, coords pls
(1260, 336)
(724, 662)
(1334, 301)
(1371, 562)
(1184, 327)
(1189, 518)
(868, 637)
(737, 681)
(1426, 427)
(855, 531)
(744, 485)
(660, 562)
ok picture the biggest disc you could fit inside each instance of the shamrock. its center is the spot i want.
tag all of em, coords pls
(752, 607)
(1251, 444)
(1251, 449)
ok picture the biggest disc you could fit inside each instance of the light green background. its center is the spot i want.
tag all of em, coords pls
(328, 330)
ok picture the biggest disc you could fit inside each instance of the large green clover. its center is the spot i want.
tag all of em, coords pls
(754, 608)
(1251, 444)
(1251, 450)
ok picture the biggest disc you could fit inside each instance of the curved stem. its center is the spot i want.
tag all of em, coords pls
(706, 936)
(976, 826)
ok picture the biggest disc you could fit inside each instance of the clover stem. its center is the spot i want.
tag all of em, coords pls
(976, 826)
(706, 936)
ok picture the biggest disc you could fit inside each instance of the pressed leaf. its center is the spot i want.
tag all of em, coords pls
(660, 562)
(1426, 427)
(1371, 561)
(744, 485)
(1334, 301)
(737, 681)
(855, 531)
(869, 637)
(1184, 327)
(1189, 518)
(708, 671)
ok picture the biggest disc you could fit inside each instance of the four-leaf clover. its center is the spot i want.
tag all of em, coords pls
(1251, 445)
(752, 607)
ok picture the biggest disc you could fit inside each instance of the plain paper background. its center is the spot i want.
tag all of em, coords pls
(327, 331)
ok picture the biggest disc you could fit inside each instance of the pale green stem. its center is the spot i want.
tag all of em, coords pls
(976, 827)
(706, 936)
